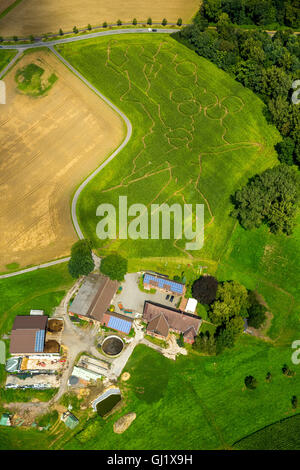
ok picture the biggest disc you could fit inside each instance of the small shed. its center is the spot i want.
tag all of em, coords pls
(191, 306)
(5, 420)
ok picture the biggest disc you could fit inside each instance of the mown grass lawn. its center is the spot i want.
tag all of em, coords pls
(197, 402)
(197, 136)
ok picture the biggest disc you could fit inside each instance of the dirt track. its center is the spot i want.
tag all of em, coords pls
(37, 17)
(47, 146)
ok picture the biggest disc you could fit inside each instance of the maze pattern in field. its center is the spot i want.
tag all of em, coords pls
(196, 135)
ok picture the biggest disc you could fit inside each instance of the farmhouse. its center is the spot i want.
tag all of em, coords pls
(93, 301)
(152, 281)
(162, 319)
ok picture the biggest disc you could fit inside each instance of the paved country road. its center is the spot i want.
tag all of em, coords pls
(50, 45)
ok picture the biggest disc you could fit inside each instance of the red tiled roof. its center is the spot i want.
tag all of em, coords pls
(175, 319)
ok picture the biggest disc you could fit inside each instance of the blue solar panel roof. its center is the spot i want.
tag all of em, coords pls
(39, 341)
(119, 324)
(172, 285)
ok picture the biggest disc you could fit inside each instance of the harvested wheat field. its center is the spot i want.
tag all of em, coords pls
(51, 137)
(36, 17)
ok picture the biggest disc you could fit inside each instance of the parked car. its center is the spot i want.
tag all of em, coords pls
(154, 30)
(172, 298)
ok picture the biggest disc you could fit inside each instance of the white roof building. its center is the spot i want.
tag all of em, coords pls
(191, 306)
(36, 312)
(85, 374)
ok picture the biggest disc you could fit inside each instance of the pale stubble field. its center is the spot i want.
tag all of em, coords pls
(48, 144)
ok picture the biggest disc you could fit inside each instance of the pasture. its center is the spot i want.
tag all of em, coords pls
(36, 17)
(53, 133)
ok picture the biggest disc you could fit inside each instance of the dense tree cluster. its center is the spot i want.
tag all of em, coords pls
(232, 305)
(81, 262)
(258, 12)
(114, 266)
(270, 198)
(205, 289)
(267, 65)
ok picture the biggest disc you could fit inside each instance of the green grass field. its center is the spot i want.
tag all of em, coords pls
(6, 57)
(197, 136)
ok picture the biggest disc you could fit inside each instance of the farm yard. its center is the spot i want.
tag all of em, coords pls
(41, 161)
(36, 17)
(200, 136)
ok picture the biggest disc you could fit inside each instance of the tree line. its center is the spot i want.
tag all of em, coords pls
(258, 12)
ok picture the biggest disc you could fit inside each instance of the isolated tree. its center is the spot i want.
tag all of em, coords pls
(61, 33)
(119, 22)
(256, 311)
(1, 39)
(149, 21)
(114, 266)
(287, 371)
(250, 382)
(164, 22)
(134, 21)
(294, 401)
(81, 262)
(104, 24)
(205, 289)
(75, 30)
(268, 377)
(89, 27)
(31, 38)
(179, 22)
(15, 38)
